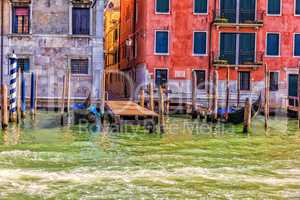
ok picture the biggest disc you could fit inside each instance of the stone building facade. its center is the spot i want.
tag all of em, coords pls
(51, 36)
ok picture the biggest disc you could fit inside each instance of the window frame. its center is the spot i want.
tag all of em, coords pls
(29, 63)
(157, 53)
(294, 44)
(161, 68)
(273, 15)
(194, 8)
(71, 9)
(162, 13)
(12, 17)
(206, 43)
(205, 78)
(279, 42)
(278, 73)
(239, 33)
(240, 80)
(80, 58)
(295, 8)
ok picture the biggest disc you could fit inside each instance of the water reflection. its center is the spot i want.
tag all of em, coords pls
(12, 135)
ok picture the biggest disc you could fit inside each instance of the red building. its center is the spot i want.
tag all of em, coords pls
(165, 40)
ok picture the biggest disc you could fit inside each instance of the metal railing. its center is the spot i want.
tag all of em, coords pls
(244, 58)
(224, 16)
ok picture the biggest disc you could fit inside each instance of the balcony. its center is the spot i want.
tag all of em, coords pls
(244, 59)
(246, 18)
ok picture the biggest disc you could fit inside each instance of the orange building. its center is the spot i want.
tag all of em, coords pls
(163, 41)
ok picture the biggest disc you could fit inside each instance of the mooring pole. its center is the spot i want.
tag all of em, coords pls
(4, 107)
(69, 92)
(142, 98)
(19, 93)
(299, 97)
(194, 95)
(215, 97)
(238, 89)
(13, 88)
(36, 93)
(161, 110)
(151, 96)
(267, 96)
(23, 97)
(227, 93)
(247, 115)
(62, 110)
(32, 95)
(167, 101)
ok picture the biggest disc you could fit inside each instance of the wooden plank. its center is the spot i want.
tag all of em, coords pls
(128, 108)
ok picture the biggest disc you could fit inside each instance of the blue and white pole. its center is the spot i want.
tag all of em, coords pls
(13, 88)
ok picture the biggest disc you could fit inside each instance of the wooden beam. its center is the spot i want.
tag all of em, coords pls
(267, 97)
(247, 115)
(215, 96)
(194, 95)
(227, 93)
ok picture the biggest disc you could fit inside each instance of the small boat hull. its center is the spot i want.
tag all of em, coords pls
(84, 116)
(237, 117)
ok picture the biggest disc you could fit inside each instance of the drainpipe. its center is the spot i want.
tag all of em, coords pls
(210, 53)
(2, 39)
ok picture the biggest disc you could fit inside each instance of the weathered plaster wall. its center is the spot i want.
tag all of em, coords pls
(50, 48)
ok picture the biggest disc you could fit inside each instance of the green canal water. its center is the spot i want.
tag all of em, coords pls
(193, 160)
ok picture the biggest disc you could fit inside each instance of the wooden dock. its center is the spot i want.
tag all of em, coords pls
(128, 112)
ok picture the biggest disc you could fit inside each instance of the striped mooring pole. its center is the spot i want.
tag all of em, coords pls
(13, 88)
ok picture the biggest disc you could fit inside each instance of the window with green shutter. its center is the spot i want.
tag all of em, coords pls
(274, 7)
(162, 6)
(200, 6)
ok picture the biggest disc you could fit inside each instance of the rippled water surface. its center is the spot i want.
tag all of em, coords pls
(193, 160)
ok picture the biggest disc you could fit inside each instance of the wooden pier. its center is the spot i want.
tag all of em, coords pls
(129, 112)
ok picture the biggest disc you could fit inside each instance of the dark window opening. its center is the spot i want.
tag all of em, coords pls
(274, 78)
(81, 21)
(162, 42)
(245, 49)
(200, 6)
(297, 9)
(200, 76)
(23, 64)
(199, 43)
(20, 20)
(273, 44)
(161, 77)
(79, 66)
(244, 80)
(297, 45)
(274, 7)
(163, 6)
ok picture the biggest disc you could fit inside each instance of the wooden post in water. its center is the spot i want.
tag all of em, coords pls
(238, 89)
(19, 82)
(161, 110)
(227, 93)
(299, 97)
(36, 93)
(4, 105)
(194, 95)
(167, 101)
(247, 115)
(62, 110)
(215, 97)
(23, 96)
(142, 98)
(267, 96)
(32, 95)
(151, 96)
(68, 91)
